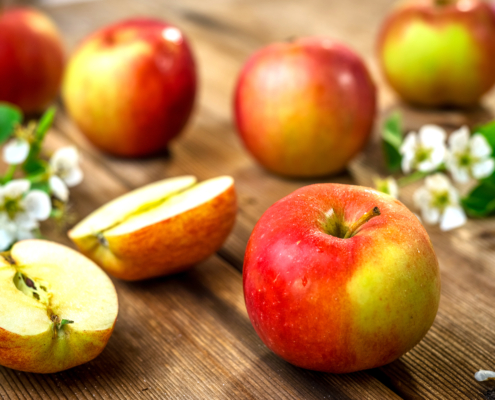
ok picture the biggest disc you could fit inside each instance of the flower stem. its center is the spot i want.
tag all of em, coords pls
(365, 218)
(414, 177)
(38, 178)
(9, 174)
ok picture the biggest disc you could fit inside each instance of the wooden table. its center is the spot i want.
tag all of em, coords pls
(189, 336)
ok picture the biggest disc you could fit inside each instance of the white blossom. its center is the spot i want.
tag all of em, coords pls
(16, 151)
(425, 151)
(469, 157)
(20, 211)
(483, 375)
(387, 185)
(438, 201)
(65, 172)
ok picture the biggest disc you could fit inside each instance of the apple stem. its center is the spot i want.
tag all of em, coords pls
(442, 3)
(365, 218)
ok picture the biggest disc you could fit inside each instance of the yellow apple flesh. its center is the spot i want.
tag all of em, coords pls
(160, 229)
(57, 308)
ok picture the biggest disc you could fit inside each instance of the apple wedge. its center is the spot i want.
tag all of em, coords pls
(159, 229)
(57, 308)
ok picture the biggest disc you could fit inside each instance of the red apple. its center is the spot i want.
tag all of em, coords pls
(305, 108)
(439, 52)
(31, 59)
(340, 278)
(130, 87)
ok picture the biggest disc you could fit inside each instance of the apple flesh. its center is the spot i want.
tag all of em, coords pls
(437, 53)
(130, 87)
(304, 108)
(160, 229)
(31, 59)
(57, 309)
(328, 291)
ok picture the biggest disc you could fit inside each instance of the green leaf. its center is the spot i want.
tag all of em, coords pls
(10, 115)
(488, 131)
(43, 186)
(35, 166)
(392, 140)
(481, 201)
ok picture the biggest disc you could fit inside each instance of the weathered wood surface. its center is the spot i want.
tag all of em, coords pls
(189, 336)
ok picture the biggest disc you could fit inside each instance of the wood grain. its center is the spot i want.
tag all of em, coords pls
(189, 336)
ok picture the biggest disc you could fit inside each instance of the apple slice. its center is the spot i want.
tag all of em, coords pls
(57, 308)
(159, 229)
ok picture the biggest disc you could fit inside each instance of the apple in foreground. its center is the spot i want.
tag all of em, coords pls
(340, 278)
(160, 229)
(57, 308)
(439, 52)
(130, 87)
(306, 107)
(31, 59)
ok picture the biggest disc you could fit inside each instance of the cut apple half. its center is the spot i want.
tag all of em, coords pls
(159, 229)
(57, 308)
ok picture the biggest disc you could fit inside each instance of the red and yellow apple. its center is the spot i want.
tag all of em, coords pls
(439, 52)
(130, 87)
(31, 59)
(160, 229)
(306, 107)
(340, 278)
(57, 308)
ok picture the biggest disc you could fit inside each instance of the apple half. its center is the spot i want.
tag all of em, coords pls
(160, 229)
(57, 308)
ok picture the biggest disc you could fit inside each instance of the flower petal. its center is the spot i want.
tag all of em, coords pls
(480, 147)
(59, 188)
(393, 188)
(438, 182)
(65, 158)
(409, 144)
(6, 238)
(16, 151)
(460, 174)
(459, 140)
(16, 188)
(438, 155)
(422, 197)
(38, 205)
(431, 215)
(483, 169)
(453, 217)
(23, 234)
(432, 136)
(23, 220)
(74, 177)
(407, 162)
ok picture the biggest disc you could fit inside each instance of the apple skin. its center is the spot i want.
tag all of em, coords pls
(304, 108)
(130, 87)
(340, 305)
(436, 55)
(167, 247)
(31, 59)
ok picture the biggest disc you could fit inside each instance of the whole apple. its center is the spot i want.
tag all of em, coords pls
(340, 278)
(31, 59)
(130, 87)
(306, 107)
(439, 52)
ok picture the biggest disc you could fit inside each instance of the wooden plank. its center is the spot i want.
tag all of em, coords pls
(186, 336)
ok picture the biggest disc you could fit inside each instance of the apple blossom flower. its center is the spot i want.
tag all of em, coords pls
(20, 211)
(425, 151)
(16, 151)
(438, 201)
(387, 185)
(482, 375)
(65, 172)
(469, 157)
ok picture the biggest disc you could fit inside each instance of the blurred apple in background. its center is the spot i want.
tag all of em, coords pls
(31, 59)
(340, 278)
(306, 107)
(130, 87)
(439, 52)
